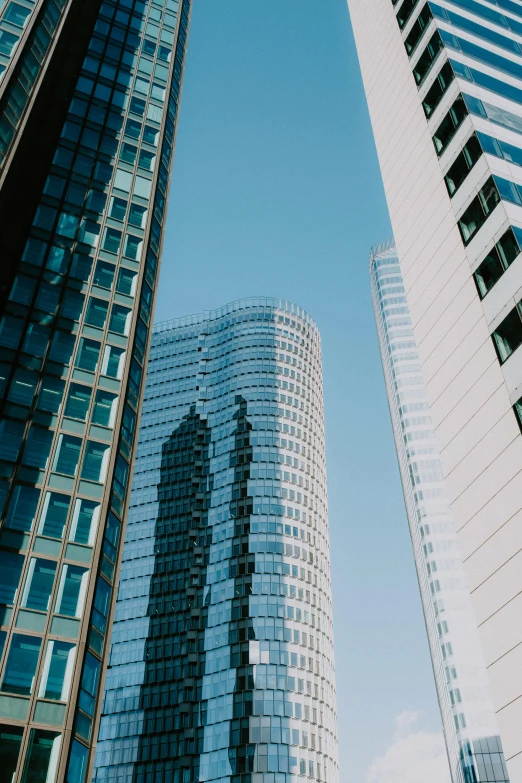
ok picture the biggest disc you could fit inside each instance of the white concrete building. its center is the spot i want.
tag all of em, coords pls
(444, 87)
(468, 718)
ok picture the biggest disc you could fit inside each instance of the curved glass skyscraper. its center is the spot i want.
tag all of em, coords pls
(222, 665)
(470, 724)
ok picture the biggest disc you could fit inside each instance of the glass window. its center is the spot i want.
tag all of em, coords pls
(121, 318)
(41, 760)
(34, 252)
(118, 208)
(10, 744)
(5, 369)
(67, 455)
(133, 247)
(96, 201)
(54, 514)
(78, 401)
(127, 282)
(104, 274)
(36, 340)
(17, 14)
(11, 434)
(137, 215)
(88, 354)
(38, 447)
(142, 187)
(20, 667)
(22, 290)
(67, 225)
(48, 297)
(62, 347)
(97, 310)
(147, 160)
(78, 761)
(23, 387)
(72, 305)
(113, 362)
(111, 240)
(57, 671)
(151, 135)
(90, 232)
(95, 461)
(72, 590)
(128, 153)
(102, 599)
(50, 395)
(89, 684)
(85, 522)
(22, 508)
(81, 266)
(58, 259)
(11, 565)
(39, 584)
(508, 335)
(123, 180)
(10, 331)
(105, 408)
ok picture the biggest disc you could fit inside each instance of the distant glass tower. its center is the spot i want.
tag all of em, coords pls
(89, 96)
(470, 725)
(221, 664)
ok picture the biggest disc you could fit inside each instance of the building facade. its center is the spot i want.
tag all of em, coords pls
(469, 721)
(89, 96)
(444, 87)
(221, 665)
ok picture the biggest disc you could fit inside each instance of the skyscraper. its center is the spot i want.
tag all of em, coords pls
(89, 97)
(221, 665)
(470, 725)
(444, 87)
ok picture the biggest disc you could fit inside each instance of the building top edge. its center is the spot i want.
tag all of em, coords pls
(260, 302)
(385, 249)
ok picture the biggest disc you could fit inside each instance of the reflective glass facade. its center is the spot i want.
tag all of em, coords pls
(221, 665)
(470, 725)
(74, 333)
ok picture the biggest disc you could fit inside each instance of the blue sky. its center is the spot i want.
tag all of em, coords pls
(276, 191)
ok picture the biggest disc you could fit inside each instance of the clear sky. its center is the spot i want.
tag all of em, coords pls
(276, 191)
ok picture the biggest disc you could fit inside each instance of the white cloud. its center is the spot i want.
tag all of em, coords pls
(413, 755)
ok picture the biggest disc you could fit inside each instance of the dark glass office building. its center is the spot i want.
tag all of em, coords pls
(221, 666)
(89, 97)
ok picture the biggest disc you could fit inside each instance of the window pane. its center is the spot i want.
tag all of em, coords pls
(22, 290)
(111, 240)
(105, 407)
(41, 761)
(39, 584)
(120, 319)
(85, 522)
(36, 340)
(113, 362)
(17, 14)
(104, 274)
(20, 668)
(67, 455)
(48, 297)
(10, 331)
(62, 348)
(51, 394)
(57, 671)
(78, 401)
(133, 244)
(95, 461)
(102, 598)
(38, 447)
(71, 591)
(78, 759)
(118, 208)
(23, 387)
(72, 305)
(58, 259)
(127, 280)
(97, 310)
(22, 508)
(508, 335)
(89, 684)
(10, 743)
(54, 514)
(11, 565)
(88, 355)
(11, 434)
